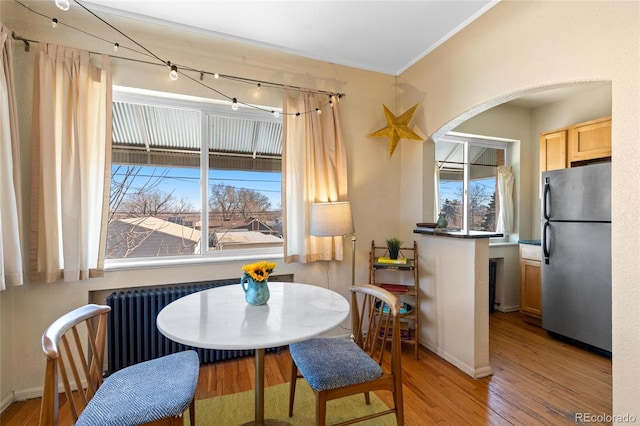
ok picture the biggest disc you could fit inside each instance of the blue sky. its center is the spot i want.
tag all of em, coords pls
(185, 182)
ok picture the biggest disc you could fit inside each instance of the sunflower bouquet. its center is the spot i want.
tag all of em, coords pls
(259, 271)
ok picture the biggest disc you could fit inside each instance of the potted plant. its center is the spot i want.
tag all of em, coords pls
(393, 245)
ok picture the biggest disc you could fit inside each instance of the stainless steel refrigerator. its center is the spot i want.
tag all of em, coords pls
(576, 244)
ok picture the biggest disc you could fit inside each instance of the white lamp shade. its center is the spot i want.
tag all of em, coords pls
(331, 219)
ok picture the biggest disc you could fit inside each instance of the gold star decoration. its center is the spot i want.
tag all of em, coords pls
(397, 128)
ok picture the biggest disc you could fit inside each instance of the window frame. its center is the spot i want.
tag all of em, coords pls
(207, 108)
(468, 140)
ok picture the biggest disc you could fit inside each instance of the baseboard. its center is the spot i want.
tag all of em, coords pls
(25, 394)
(507, 309)
(22, 395)
(6, 402)
(476, 373)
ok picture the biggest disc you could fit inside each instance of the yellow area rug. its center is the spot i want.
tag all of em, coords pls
(238, 408)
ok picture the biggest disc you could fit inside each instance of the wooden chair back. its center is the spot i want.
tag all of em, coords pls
(75, 353)
(375, 320)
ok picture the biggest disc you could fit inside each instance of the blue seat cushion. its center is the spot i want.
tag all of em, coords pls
(329, 363)
(144, 392)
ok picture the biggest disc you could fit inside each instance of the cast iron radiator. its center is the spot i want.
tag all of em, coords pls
(132, 335)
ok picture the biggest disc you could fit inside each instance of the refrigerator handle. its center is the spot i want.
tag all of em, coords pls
(545, 247)
(545, 199)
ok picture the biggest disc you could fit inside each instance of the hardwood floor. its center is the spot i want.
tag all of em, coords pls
(536, 380)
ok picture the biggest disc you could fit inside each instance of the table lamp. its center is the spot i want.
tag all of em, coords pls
(333, 220)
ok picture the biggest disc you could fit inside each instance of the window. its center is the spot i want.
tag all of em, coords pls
(162, 150)
(467, 180)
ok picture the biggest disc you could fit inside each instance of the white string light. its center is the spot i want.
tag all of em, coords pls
(173, 74)
(63, 4)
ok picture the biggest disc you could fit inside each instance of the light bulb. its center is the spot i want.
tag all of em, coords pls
(319, 111)
(63, 4)
(115, 47)
(259, 85)
(234, 104)
(276, 114)
(54, 22)
(173, 74)
(216, 75)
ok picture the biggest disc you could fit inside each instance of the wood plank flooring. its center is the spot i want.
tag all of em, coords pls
(536, 381)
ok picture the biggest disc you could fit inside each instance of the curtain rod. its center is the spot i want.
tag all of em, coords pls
(262, 83)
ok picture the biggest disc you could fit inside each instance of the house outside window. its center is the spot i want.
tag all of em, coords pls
(162, 150)
(467, 181)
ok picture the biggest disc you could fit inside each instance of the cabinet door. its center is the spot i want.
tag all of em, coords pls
(553, 150)
(590, 140)
(530, 288)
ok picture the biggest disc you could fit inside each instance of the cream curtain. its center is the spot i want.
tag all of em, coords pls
(505, 195)
(11, 272)
(436, 190)
(71, 151)
(314, 171)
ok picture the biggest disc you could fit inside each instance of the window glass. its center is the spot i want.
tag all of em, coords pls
(467, 182)
(157, 204)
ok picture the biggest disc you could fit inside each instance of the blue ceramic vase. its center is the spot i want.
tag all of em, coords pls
(255, 292)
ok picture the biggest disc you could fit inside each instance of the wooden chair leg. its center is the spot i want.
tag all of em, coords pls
(399, 403)
(321, 409)
(367, 398)
(192, 412)
(292, 386)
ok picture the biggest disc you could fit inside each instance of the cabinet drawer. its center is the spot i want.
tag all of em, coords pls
(529, 251)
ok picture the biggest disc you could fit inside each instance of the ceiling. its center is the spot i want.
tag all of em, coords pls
(382, 36)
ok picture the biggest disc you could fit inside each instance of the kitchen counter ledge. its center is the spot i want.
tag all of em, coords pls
(456, 233)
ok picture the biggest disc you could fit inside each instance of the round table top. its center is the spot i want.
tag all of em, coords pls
(220, 318)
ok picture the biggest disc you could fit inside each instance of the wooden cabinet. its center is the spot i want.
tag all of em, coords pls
(590, 140)
(401, 279)
(553, 150)
(530, 283)
(575, 145)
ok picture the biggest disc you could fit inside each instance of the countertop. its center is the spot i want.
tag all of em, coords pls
(456, 233)
(530, 242)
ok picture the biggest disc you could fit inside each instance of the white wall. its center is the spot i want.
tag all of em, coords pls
(519, 47)
(28, 309)
(515, 47)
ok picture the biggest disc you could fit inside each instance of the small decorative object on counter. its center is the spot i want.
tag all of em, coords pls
(442, 221)
(393, 244)
(254, 282)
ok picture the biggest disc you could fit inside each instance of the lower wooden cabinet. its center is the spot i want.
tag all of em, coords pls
(530, 284)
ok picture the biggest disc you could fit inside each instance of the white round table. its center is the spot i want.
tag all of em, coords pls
(220, 318)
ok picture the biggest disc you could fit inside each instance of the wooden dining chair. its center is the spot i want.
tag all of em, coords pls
(335, 367)
(151, 392)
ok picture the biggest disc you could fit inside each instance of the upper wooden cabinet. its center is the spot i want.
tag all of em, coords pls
(554, 150)
(590, 140)
(574, 145)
